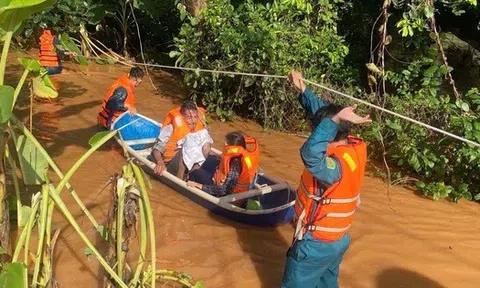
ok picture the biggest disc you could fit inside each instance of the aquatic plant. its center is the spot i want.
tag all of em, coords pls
(18, 145)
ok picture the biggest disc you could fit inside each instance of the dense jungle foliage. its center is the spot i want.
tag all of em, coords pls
(415, 57)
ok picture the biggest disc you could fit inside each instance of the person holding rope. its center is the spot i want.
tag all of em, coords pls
(329, 191)
(120, 97)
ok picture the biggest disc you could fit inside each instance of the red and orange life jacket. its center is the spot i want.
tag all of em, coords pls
(48, 54)
(329, 216)
(106, 117)
(180, 130)
(249, 160)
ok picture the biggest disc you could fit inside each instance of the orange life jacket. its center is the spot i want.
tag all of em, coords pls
(329, 216)
(48, 55)
(249, 161)
(180, 130)
(106, 117)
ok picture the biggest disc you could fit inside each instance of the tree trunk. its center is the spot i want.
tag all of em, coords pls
(194, 7)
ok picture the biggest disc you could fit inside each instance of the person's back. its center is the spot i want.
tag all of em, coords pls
(234, 172)
(328, 194)
(48, 54)
(330, 219)
(249, 163)
(120, 97)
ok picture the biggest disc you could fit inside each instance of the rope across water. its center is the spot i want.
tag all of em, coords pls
(198, 70)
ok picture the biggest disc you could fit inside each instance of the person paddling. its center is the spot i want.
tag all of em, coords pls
(329, 191)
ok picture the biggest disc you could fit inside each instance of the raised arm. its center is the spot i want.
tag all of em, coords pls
(307, 98)
(314, 153)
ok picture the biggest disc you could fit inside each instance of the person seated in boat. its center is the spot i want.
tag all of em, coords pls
(167, 151)
(235, 172)
(120, 97)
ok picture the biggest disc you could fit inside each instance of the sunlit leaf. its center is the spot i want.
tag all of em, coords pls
(394, 125)
(32, 162)
(420, 184)
(174, 54)
(6, 102)
(23, 215)
(87, 252)
(103, 232)
(147, 179)
(98, 137)
(111, 61)
(80, 59)
(13, 12)
(429, 12)
(42, 87)
(373, 68)
(69, 45)
(101, 61)
(13, 276)
(30, 64)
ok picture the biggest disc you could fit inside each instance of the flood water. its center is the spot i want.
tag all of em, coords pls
(404, 241)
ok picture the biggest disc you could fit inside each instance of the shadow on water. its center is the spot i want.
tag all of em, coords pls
(46, 123)
(69, 89)
(402, 278)
(265, 246)
(171, 87)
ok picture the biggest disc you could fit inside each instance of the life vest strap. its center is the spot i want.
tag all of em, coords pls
(313, 228)
(341, 215)
(244, 185)
(325, 201)
(299, 227)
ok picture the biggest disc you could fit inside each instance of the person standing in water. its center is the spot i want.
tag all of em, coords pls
(329, 192)
(51, 53)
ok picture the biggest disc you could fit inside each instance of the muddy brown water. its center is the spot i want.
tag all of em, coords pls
(404, 241)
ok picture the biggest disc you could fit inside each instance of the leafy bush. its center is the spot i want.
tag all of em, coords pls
(265, 39)
(450, 166)
(273, 38)
(65, 17)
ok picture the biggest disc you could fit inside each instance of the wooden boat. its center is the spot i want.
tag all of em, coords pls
(276, 197)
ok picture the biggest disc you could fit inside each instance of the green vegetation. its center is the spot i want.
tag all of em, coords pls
(388, 52)
(20, 149)
(274, 37)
